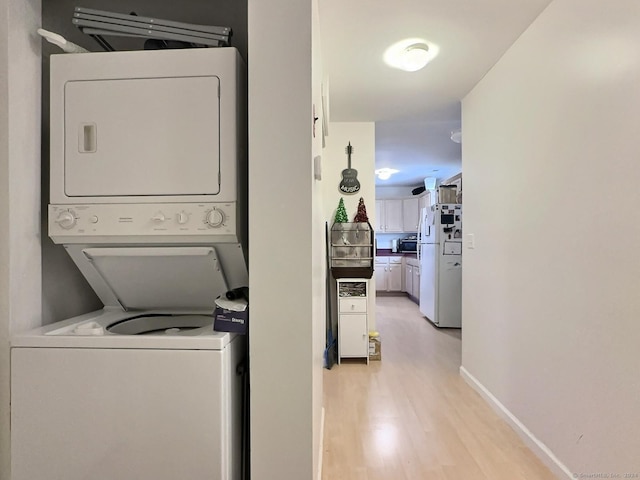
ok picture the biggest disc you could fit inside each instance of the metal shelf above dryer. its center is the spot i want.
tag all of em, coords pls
(100, 23)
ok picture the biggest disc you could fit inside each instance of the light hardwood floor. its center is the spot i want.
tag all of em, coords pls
(411, 416)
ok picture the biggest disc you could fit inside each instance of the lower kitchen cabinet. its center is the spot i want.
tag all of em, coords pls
(408, 279)
(415, 288)
(353, 324)
(388, 273)
(380, 273)
(412, 278)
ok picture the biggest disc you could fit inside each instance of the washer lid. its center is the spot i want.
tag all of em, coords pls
(157, 278)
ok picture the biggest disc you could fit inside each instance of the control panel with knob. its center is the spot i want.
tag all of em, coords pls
(155, 222)
(214, 218)
(158, 217)
(182, 217)
(66, 219)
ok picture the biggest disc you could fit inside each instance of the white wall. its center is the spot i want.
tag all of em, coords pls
(550, 293)
(393, 192)
(20, 275)
(319, 267)
(285, 252)
(362, 136)
(334, 161)
(5, 240)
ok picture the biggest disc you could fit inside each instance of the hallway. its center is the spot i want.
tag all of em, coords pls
(411, 416)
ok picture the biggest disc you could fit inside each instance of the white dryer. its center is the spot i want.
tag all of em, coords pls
(147, 190)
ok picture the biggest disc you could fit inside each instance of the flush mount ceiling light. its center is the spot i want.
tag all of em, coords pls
(410, 55)
(415, 57)
(385, 173)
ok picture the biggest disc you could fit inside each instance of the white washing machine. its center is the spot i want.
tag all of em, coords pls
(90, 403)
(146, 197)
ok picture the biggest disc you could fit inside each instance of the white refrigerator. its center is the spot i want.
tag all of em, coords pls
(440, 256)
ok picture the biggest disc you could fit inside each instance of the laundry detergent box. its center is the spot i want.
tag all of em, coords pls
(231, 316)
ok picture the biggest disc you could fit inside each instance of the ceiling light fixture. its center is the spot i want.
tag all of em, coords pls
(415, 57)
(385, 173)
(456, 136)
(410, 55)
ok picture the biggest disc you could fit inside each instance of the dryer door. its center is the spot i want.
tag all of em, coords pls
(142, 137)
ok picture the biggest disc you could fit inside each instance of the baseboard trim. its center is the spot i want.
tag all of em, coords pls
(384, 293)
(321, 445)
(539, 449)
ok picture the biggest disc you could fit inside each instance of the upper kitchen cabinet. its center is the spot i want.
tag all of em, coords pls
(379, 214)
(410, 214)
(389, 216)
(425, 201)
(400, 215)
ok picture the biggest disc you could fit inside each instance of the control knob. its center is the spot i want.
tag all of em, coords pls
(158, 218)
(214, 218)
(66, 219)
(183, 217)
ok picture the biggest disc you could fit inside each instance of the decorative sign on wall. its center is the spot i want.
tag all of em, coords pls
(349, 183)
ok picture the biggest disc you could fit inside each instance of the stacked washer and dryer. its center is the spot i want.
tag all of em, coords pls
(146, 197)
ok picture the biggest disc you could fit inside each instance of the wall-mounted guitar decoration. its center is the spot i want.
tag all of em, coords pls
(349, 183)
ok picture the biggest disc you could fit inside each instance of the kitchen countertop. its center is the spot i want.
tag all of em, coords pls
(386, 252)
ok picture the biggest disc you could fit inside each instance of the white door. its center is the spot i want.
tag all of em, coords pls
(450, 291)
(353, 336)
(393, 216)
(426, 228)
(428, 283)
(410, 214)
(381, 277)
(142, 137)
(379, 225)
(106, 414)
(425, 200)
(394, 277)
(416, 283)
(408, 279)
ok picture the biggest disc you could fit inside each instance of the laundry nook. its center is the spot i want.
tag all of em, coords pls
(146, 199)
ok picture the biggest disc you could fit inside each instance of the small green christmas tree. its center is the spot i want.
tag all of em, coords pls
(341, 213)
(361, 214)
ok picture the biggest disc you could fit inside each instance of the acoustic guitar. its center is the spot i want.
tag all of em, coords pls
(349, 183)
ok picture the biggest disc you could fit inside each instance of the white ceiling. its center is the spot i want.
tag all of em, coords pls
(414, 112)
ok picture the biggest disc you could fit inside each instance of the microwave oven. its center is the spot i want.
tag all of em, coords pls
(409, 244)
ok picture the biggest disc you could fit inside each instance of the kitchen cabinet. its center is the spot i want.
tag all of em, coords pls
(415, 288)
(400, 215)
(410, 214)
(388, 273)
(353, 325)
(380, 273)
(394, 277)
(411, 273)
(379, 225)
(425, 200)
(408, 279)
(389, 216)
